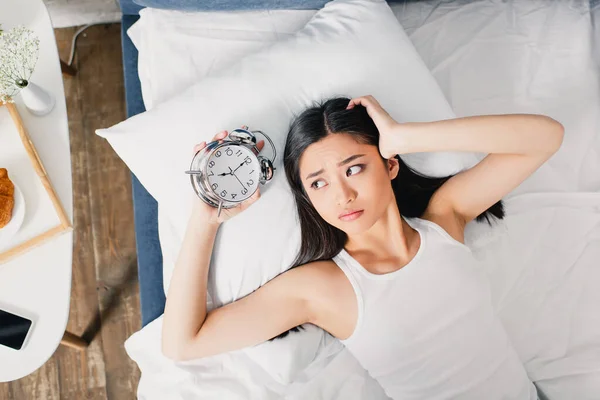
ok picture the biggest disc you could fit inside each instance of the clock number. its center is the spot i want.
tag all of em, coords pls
(233, 195)
(211, 164)
(215, 186)
(218, 153)
(224, 193)
(244, 191)
(229, 152)
(238, 153)
(247, 160)
(212, 173)
(250, 182)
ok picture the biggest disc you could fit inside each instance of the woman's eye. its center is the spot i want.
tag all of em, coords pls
(314, 184)
(360, 166)
(355, 168)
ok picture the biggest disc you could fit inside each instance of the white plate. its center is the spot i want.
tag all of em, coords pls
(18, 215)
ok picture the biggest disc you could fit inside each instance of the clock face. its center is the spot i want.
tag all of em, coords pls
(233, 172)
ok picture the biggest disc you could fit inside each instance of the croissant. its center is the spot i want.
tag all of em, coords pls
(7, 198)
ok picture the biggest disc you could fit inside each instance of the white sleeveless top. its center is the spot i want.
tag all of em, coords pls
(429, 330)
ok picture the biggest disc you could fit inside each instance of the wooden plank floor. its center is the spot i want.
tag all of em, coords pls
(104, 293)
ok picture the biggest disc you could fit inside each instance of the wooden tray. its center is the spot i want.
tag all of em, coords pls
(65, 224)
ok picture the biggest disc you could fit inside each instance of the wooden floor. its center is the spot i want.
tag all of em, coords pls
(104, 294)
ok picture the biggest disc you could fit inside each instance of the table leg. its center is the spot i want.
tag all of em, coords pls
(73, 341)
(67, 69)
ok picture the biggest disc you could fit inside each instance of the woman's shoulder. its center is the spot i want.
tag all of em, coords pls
(313, 283)
(330, 296)
(322, 269)
(322, 280)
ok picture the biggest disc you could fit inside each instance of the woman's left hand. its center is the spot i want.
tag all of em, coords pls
(210, 214)
(385, 124)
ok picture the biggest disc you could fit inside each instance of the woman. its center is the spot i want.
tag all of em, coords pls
(382, 265)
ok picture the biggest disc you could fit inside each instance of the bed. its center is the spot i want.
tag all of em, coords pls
(487, 57)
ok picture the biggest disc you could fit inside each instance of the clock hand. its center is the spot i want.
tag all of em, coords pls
(239, 166)
(239, 181)
(226, 173)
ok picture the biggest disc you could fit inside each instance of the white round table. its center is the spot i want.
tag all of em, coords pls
(37, 283)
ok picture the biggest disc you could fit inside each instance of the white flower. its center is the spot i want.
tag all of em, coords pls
(19, 49)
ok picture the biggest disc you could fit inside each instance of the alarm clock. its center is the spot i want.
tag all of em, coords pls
(225, 174)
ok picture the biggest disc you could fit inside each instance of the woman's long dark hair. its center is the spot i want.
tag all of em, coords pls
(412, 190)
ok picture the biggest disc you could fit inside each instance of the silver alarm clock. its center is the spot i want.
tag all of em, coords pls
(225, 174)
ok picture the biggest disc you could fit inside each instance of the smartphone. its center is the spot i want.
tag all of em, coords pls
(14, 330)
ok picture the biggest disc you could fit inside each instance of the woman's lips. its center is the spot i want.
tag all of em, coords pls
(353, 216)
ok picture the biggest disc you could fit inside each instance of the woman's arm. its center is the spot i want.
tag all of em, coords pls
(289, 300)
(189, 332)
(518, 145)
(508, 134)
(279, 305)
(185, 308)
(503, 134)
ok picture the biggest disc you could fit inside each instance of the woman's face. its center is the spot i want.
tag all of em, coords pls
(341, 175)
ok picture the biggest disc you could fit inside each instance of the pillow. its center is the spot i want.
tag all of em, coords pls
(202, 42)
(350, 47)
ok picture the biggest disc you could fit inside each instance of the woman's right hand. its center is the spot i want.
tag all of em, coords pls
(209, 213)
(386, 125)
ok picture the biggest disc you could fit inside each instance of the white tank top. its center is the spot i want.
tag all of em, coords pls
(429, 330)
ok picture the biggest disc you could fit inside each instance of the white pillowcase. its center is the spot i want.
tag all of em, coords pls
(202, 42)
(351, 47)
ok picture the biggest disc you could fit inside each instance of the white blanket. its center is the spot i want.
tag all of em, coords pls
(544, 271)
(489, 57)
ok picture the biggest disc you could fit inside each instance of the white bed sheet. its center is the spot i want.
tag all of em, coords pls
(489, 57)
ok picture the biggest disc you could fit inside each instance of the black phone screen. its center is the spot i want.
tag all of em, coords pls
(13, 330)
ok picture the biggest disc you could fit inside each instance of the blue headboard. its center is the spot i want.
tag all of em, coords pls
(128, 7)
(132, 7)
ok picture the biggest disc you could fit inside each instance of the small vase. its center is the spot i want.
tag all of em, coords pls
(36, 99)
